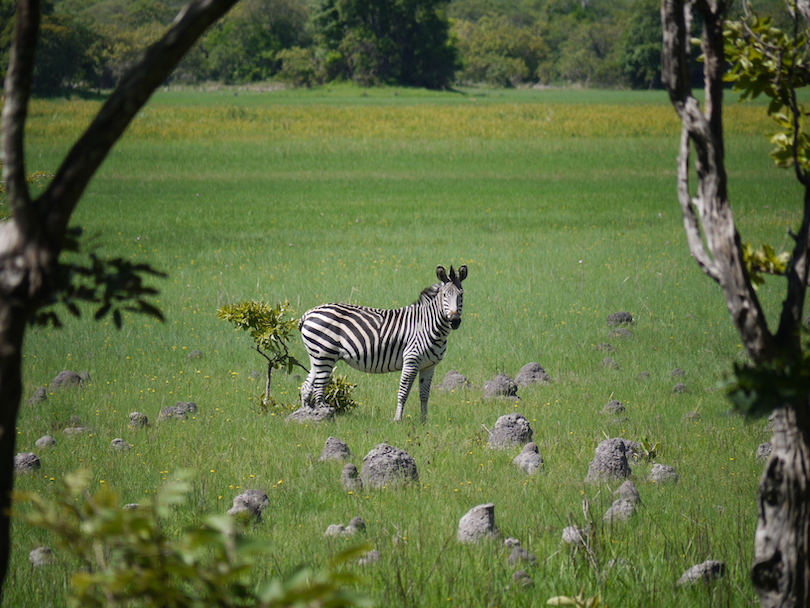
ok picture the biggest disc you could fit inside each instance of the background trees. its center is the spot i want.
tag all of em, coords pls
(427, 43)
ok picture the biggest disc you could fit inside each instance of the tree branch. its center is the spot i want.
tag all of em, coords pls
(690, 220)
(15, 110)
(58, 202)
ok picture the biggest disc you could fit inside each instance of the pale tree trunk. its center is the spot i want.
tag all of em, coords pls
(32, 240)
(780, 573)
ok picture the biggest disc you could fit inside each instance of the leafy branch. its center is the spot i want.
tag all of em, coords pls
(114, 285)
(129, 560)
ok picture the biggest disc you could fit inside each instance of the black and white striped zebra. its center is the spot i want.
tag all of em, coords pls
(412, 339)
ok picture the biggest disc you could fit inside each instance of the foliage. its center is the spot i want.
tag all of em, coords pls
(768, 61)
(389, 41)
(128, 559)
(763, 261)
(115, 285)
(641, 48)
(499, 53)
(338, 393)
(579, 600)
(758, 390)
(297, 66)
(269, 326)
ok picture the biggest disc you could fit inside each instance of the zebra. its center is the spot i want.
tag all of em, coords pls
(412, 339)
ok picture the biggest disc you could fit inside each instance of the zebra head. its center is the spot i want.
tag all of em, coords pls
(451, 293)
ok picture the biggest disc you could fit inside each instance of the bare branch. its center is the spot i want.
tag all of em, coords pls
(690, 221)
(58, 201)
(15, 110)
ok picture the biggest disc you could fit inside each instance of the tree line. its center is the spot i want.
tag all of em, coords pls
(426, 43)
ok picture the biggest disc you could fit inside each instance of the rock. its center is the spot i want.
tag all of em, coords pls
(620, 318)
(500, 386)
(478, 523)
(189, 407)
(453, 380)
(511, 542)
(138, 420)
(677, 372)
(519, 555)
(334, 530)
(643, 375)
(75, 430)
(628, 491)
(45, 441)
(510, 430)
(172, 412)
(679, 387)
(386, 465)
(613, 407)
(250, 503)
(521, 579)
(66, 379)
(356, 525)
(531, 373)
(335, 449)
(661, 473)
(369, 558)
(40, 395)
(41, 556)
(764, 451)
(691, 416)
(131, 506)
(610, 461)
(620, 510)
(120, 445)
(85, 376)
(608, 348)
(26, 462)
(631, 448)
(620, 332)
(610, 363)
(571, 535)
(708, 571)
(529, 458)
(195, 354)
(311, 414)
(349, 479)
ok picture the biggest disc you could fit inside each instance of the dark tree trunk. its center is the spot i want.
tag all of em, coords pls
(781, 569)
(31, 242)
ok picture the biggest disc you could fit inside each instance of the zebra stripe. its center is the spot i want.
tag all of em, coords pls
(375, 340)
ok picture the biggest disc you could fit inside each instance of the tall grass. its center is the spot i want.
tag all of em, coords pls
(560, 222)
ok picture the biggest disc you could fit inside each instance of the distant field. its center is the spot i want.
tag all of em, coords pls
(561, 203)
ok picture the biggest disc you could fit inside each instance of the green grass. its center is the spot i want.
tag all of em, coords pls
(558, 230)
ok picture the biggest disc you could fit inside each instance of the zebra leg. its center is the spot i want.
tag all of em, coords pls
(425, 378)
(409, 373)
(315, 385)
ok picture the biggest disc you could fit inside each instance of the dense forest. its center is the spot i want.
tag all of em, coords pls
(428, 43)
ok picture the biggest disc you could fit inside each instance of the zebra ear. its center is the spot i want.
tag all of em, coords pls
(441, 273)
(462, 272)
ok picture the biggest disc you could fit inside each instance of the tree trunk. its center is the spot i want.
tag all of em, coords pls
(31, 242)
(781, 569)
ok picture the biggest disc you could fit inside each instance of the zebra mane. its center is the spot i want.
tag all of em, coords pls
(428, 293)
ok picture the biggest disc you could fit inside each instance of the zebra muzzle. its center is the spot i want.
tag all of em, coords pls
(455, 321)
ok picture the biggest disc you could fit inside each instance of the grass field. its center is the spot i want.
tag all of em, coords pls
(561, 203)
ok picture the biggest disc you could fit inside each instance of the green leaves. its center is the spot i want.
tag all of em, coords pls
(114, 285)
(130, 560)
(763, 261)
(269, 326)
(767, 61)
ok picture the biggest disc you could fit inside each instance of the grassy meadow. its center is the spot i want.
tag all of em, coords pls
(561, 203)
